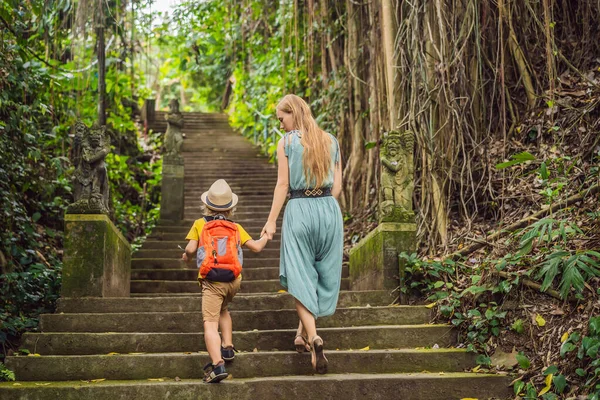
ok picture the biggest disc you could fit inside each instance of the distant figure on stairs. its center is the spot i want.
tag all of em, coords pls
(216, 241)
(312, 233)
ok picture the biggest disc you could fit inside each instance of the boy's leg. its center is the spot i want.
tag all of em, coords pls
(212, 300)
(226, 328)
(225, 321)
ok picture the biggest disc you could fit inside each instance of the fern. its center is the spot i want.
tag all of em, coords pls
(6, 374)
(574, 269)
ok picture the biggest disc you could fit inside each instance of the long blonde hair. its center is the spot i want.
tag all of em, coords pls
(317, 143)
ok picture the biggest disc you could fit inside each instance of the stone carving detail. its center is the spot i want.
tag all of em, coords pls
(90, 180)
(173, 136)
(397, 177)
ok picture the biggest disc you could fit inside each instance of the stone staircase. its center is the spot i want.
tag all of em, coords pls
(150, 346)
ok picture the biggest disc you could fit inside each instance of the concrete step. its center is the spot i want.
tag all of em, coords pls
(267, 252)
(264, 286)
(242, 320)
(417, 386)
(168, 225)
(172, 263)
(180, 274)
(346, 338)
(246, 364)
(172, 244)
(271, 301)
(179, 238)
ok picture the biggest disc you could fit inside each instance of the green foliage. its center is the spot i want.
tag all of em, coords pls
(582, 352)
(6, 374)
(249, 55)
(573, 267)
(39, 103)
(458, 301)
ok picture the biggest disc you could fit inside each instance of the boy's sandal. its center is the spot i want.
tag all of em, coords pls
(301, 347)
(318, 359)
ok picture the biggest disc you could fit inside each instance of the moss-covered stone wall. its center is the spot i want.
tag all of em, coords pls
(97, 258)
(374, 263)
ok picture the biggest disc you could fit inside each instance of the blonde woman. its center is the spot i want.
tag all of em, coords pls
(312, 233)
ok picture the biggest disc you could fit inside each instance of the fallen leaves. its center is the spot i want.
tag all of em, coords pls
(548, 382)
(539, 320)
(365, 348)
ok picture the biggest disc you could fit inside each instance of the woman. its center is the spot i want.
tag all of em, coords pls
(312, 232)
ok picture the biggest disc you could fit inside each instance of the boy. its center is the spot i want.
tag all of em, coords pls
(218, 241)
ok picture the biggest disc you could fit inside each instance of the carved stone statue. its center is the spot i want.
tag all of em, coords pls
(90, 180)
(173, 136)
(397, 177)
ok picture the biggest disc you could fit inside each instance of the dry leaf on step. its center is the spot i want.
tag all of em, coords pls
(98, 380)
(365, 348)
(507, 360)
(156, 379)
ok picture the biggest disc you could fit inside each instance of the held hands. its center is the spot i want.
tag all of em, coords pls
(269, 230)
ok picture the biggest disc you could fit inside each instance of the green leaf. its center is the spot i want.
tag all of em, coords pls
(580, 372)
(560, 383)
(518, 386)
(517, 326)
(523, 361)
(36, 216)
(553, 369)
(518, 158)
(370, 145)
(483, 360)
(595, 326)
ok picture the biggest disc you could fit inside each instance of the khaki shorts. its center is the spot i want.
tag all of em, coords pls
(216, 296)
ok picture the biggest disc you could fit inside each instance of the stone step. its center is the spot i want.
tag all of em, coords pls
(167, 225)
(242, 320)
(172, 244)
(180, 274)
(267, 252)
(410, 386)
(179, 238)
(193, 302)
(264, 286)
(172, 263)
(346, 338)
(245, 365)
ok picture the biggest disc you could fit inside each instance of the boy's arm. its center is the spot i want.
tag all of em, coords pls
(190, 250)
(257, 245)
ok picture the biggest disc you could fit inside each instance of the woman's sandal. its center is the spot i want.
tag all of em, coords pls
(301, 347)
(318, 359)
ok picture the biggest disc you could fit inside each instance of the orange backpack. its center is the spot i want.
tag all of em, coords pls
(219, 256)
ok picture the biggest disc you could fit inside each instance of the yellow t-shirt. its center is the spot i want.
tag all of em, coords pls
(194, 233)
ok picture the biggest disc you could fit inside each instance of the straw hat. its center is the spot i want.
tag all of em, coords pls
(219, 197)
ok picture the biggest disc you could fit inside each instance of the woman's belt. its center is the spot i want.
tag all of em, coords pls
(310, 193)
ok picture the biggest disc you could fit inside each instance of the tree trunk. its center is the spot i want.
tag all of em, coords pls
(101, 66)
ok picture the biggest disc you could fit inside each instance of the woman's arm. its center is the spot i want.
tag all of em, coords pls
(337, 180)
(280, 193)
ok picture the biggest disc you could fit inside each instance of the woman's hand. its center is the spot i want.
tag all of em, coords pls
(184, 257)
(269, 230)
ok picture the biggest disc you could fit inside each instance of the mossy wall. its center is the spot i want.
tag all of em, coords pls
(374, 263)
(172, 202)
(97, 258)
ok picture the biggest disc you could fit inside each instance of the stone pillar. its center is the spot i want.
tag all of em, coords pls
(97, 258)
(374, 263)
(171, 202)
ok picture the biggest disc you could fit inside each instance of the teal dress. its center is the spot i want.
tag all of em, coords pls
(312, 237)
